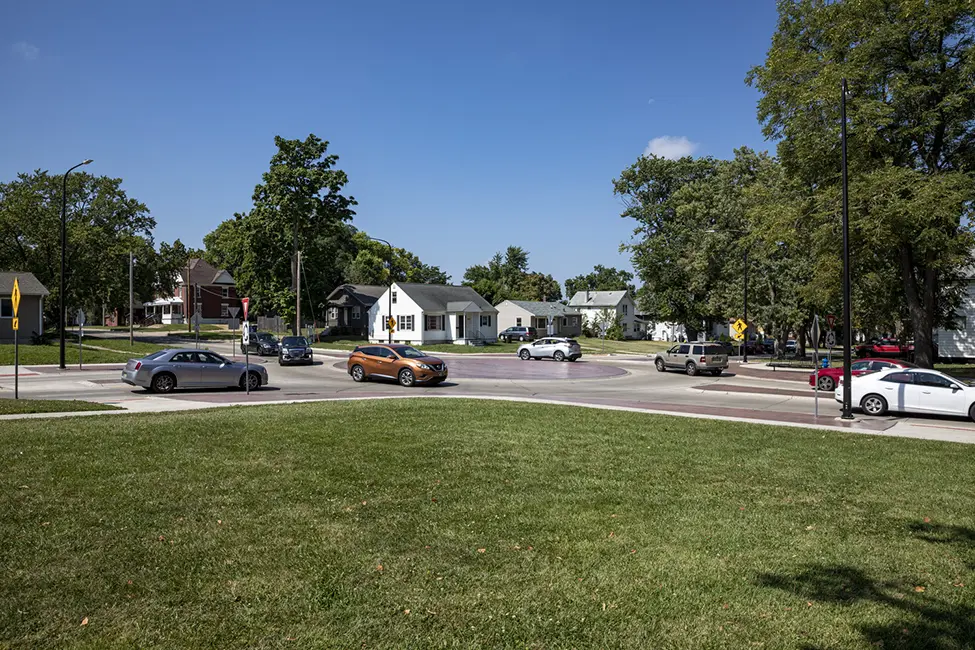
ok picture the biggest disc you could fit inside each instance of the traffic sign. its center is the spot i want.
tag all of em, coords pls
(196, 320)
(15, 296)
(831, 339)
(233, 311)
(245, 302)
(15, 324)
(815, 330)
(391, 323)
(245, 335)
(739, 336)
(830, 321)
(80, 317)
(739, 326)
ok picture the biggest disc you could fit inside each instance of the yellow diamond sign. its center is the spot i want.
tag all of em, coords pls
(15, 296)
(739, 336)
(740, 326)
(391, 324)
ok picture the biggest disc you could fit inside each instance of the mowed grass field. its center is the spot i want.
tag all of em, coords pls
(463, 523)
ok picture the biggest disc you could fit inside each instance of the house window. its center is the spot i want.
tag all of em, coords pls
(486, 321)
(518, 322)
(356, 313)
(565, 322)
(394, 297)
(333, 313)
(6, 308)
(575, 320)
(405, 323)
(224, 292)
(625, 309)
(224, 310)
(435, 322)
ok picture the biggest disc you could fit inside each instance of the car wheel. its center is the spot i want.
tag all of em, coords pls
(559, 355)
(358, 374)
(691, 369)
(525, 355)
(406, 377)
(253, 381)
(971, 412)
(873, 405)
(163, 383)
(521, 338)
(661, 366)
(826, 384)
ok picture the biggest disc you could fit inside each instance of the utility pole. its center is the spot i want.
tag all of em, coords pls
(186, 295)
(131, 332)
(847, 317)
(298, 296)
(64, 245)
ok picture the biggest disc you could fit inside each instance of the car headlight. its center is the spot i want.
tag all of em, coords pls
(425, 366)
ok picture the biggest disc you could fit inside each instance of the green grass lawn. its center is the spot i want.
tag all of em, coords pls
(428, 523)
(37, 355)
(139, 348)
(11, 406)
(222, 335)
(594, 345)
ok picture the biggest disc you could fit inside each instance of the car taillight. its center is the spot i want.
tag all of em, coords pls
(704, 359)
(138, 364)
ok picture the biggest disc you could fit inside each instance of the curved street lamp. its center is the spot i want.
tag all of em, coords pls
(64, 240)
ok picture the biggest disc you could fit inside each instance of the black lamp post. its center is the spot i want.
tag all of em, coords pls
(847, 321)
(390, 286)
(64, 240)
(744, 344)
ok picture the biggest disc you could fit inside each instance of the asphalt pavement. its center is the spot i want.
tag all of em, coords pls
(626, 382)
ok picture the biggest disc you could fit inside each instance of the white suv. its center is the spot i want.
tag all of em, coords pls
(560, 349)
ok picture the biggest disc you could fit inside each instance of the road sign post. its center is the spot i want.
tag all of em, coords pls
(245, 341)
(15, 299)
(196, 328)
(815, 335)
(80, 318)
(233, 311)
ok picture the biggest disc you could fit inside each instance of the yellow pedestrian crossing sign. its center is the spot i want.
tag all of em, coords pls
(740, 326)
(15, 296)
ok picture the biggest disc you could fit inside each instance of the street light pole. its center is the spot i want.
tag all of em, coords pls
(131, 330)
(847, 319)
(64, 240)
(744, 348)
(389, 290)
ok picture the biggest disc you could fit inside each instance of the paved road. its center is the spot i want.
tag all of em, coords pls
(612, 382)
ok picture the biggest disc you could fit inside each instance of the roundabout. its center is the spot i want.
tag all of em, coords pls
(516, 369)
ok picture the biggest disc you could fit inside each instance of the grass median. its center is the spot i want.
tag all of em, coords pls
(17, 406)
(39, 355)
(427, 523)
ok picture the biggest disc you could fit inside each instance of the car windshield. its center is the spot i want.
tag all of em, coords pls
(264, 336)
(294, 340)
(409, 353)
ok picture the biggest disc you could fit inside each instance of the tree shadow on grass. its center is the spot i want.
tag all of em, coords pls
(920, 620)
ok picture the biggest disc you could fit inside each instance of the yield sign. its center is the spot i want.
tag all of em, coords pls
(245, 302)
(15, 296)
(233, 311)
(830, 320)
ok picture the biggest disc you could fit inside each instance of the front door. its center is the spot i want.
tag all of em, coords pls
(939, 394)
(460, 325)
(186, 369)
(211, 370)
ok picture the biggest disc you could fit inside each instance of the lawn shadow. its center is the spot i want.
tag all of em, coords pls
(920, 619)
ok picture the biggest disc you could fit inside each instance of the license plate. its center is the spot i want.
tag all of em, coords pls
(720, 359)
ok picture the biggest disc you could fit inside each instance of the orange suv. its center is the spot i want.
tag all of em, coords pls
(402, 363)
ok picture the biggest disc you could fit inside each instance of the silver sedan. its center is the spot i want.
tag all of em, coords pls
(166, 370)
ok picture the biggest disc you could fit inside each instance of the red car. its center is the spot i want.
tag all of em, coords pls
(828, 377)
(888, 348)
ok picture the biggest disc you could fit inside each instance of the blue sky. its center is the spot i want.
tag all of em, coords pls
(464, 128)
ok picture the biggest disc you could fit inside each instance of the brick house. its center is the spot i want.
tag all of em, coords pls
(199, 287)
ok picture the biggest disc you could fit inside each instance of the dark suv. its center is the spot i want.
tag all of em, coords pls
(518, 334)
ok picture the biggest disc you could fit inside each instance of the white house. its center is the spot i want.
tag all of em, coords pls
(433, 313)
(959, 344)
(591, 303)
(548, 318)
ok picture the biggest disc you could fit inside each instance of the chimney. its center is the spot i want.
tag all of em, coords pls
(587, 295)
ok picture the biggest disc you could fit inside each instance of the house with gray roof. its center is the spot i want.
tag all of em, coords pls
(548, 318)
(592, 303)
(433, 313)
(347, 308)
(30, 311)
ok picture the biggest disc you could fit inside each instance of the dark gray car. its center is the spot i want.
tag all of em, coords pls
(166, 370)
(263, 343)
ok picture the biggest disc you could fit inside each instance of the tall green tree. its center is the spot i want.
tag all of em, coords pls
(602, 278)
(104, 225)
(506, 276)
(371, 265)
(911, 73)
(299, 204)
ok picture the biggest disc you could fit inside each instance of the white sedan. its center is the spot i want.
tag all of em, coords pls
(910, 390)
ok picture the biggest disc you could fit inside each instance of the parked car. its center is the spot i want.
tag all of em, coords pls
(263, 343)
(402, 363)
(693, 358)
(518, 334)
(910, 390)
(560, 349)
(829, 377)
(167, 370)
(890, 348)
(295, 349)
(791, 346)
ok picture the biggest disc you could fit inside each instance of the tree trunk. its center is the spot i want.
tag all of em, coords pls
(801, 343)
(921, 303)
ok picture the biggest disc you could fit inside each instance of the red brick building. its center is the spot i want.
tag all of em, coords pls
(200, 287)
